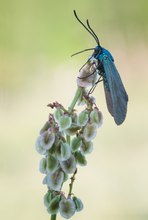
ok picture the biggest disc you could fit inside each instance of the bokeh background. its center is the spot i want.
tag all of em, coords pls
(36, 41)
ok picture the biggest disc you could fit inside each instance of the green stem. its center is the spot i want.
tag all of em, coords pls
(53, 217)
(75, 99)
(71, 184)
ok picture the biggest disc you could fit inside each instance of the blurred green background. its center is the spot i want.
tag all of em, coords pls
(36, 41)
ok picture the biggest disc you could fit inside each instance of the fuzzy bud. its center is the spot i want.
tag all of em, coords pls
(82, 118)
(43, 165)
(90, 132)
(76, 143)
(65, 122)
(67, 208)
(55, 180)
(69, 166)
(87, 147)
(96, 117)
(78, 204)
(54, 205)
(52, 163)
(80, 158)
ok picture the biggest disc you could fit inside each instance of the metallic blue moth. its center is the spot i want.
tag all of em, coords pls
(115, 93)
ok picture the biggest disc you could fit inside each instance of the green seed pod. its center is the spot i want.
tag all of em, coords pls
(96, 117)
(78, 204)
(47, 198)
(67, 208)
(76, 143)
(90, 132)
(87, 147)
(52, 163)
(45, 127)
(80, 158)
(39, 148)
(82, 118)
(69, 166)
(63, 151)
(65, 122)
(72, 130)
(43, 165)
(54, 205)
(57, 114)
(55, 180)
(47, 140)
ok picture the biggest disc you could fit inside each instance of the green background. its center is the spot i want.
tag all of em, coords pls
(36, 41)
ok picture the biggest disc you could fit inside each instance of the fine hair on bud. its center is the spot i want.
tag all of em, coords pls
(47, 198)
(57, 114)
(96, 117)
(39, 148)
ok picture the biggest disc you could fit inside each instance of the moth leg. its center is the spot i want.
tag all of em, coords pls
(93, 87)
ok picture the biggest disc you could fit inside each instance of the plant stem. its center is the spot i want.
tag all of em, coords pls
(71, 184)
(53, 217)
(75, 99)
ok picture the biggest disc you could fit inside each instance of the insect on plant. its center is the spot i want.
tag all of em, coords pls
(115, 93)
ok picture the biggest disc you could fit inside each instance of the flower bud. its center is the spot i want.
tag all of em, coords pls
(87, 75)
(54, 205)
(82, 118)
(96, 117)
(45, 127)
(47, 198)
(72, 130)
(55, 180)
(52, 163)
(65, 122)
(78, 204)
(67, 208)
(63, 151)
(90, 132)
(57, 114)
(43, 165)
(76, 143)
(69, 166)
(87, 147)
(80, 158)
(47, 139)
(39, 148)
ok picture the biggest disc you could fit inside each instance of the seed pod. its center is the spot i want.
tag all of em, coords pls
(47, 198)
(76, 143)
(82, 118)
(52, 163)
(78, 204)
(90, 132)
(67, 208)
(55, 180)
(63, 151)
(43, 165)
(96, 117)
(65, 122)
(72, 130)
(80, 158)
(69, 166)
(57, 114)
(39, 148)
(54, 205)
(47, 140)
(87, 147)
(45, 127)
